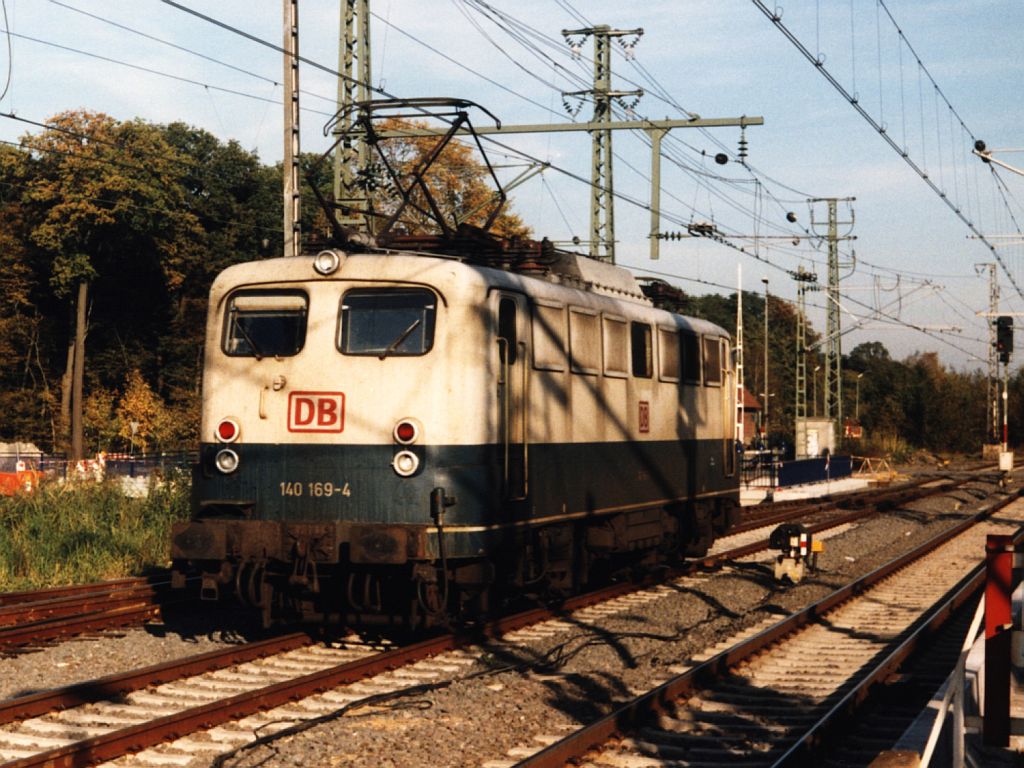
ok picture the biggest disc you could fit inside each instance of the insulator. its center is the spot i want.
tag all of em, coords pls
(573, 111)
(742, 154)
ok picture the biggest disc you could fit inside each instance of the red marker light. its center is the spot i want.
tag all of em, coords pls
(405, 432)
(227, 431)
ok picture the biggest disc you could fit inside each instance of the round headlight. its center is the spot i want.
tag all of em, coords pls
(326, 262)
(226, 461)
(406, 463)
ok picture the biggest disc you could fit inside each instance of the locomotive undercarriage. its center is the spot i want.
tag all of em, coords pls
(402, 576)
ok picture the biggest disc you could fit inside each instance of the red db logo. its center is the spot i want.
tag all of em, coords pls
(316, 412)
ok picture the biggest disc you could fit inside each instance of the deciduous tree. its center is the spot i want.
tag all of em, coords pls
(109, 203)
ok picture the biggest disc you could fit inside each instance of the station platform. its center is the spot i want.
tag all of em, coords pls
(750, 495)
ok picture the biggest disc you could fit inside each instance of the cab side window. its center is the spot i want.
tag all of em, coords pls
(712, 361)
(507, 339)
(641, 346)
(689, 344)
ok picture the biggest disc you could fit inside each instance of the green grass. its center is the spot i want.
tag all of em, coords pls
(84, 532)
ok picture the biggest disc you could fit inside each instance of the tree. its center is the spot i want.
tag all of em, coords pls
(100, 419)
(26, 399)
(456, 180)
(141, 417)
(109, 204)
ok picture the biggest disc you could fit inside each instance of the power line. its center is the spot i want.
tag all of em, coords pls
(10, 55)
(855, 102)
(511, 150)
(151, 71)
(463, 66)
(168, 43)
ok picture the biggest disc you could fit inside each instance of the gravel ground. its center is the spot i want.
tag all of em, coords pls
(542, 688)
(479, 720)
(89, 657)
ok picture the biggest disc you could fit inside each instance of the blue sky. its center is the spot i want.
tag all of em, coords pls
(717, 58)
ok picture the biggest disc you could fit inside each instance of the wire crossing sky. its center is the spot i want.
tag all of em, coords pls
(954, 174)
(912, 282)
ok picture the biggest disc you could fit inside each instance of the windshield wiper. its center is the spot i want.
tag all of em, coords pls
(248, 339)
(401, 337)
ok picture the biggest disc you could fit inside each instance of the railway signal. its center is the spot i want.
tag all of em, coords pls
(1004, 337)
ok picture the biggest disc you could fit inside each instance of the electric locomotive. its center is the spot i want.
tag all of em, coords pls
(396, 436)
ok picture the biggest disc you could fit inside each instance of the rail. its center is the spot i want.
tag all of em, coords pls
(660, 700)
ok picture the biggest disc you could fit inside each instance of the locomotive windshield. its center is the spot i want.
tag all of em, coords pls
(387, 321)
(265, 324)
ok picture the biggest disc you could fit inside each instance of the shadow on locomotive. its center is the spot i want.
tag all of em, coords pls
(404, 429)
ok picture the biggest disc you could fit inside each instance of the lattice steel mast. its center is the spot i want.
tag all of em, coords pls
(806, 281)
(993, 361)
(833, 330)
(602, 209)
(352, 157)
(738, 349)
(292, 239)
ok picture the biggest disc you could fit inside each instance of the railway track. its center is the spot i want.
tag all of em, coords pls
(106, 718)
(265, 686)
(878, 499)
(774, 698)
(34, 618)
(829, 515)
(228, 696)
(37, 617)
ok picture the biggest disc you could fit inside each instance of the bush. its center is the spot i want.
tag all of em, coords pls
(889, 446)
(84, 532)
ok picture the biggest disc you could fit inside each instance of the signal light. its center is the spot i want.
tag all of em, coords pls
(1004, 337)
(406, 432)
(228, 431)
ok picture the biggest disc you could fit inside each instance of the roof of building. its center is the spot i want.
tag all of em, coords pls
(750, 403)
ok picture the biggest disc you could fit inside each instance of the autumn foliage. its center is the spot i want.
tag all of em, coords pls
(129, 222)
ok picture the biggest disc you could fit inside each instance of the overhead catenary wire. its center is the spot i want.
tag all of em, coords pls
(737, 207)
(776, 19)
(678, 218)
(170, 44)
(205, 85)
(153, 71)
(682, 164)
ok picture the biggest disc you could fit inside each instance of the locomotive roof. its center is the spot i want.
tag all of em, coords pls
(590, 282)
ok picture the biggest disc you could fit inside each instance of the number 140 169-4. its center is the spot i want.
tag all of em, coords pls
(316, 490)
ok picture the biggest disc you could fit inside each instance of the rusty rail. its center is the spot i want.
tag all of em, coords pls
(115, 685)
(660, 700)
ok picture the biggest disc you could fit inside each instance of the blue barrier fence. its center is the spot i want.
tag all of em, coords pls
(814, 470)
(766, 468)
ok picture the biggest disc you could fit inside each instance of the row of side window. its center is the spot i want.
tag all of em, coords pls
(619, 348)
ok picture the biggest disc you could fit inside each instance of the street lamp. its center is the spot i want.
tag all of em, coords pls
(857, 401)
(764, 420)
